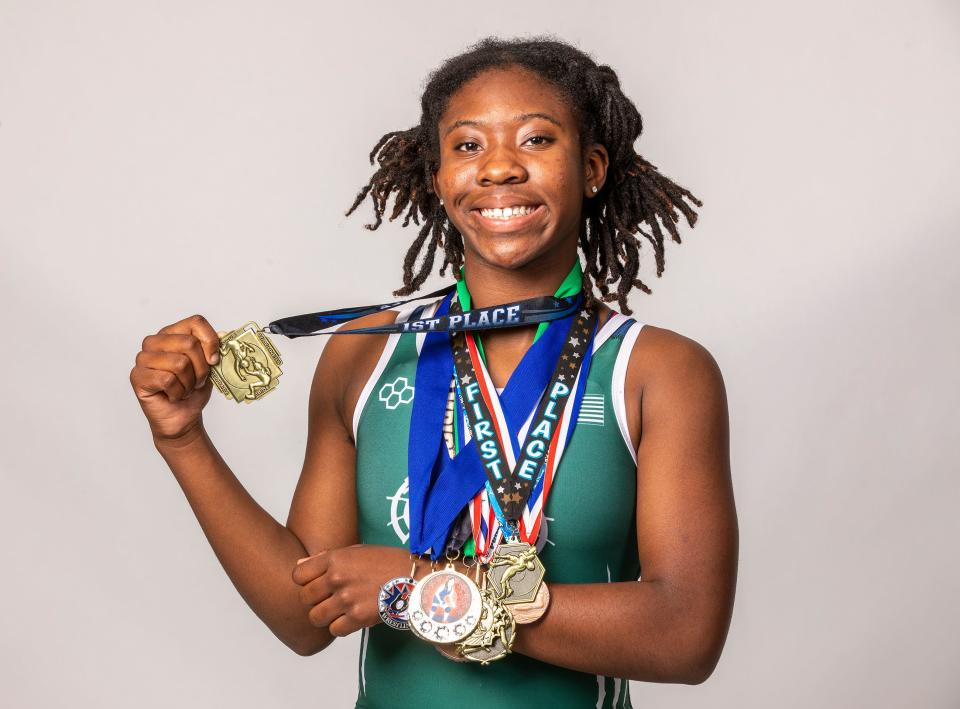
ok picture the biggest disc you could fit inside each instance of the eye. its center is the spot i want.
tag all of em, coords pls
(539, 139)
(459, 146)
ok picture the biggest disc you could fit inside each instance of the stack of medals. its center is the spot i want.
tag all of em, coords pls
(475, 620)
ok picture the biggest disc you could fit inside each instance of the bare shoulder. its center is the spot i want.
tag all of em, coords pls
(671, 376)
(345, 364)
(347, 351)
(664, 355)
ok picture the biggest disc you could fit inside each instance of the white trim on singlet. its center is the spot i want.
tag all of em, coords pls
(364, 636)
(618, 381)
(392, 339)
(603, 334)
(612, 324)
(428, 312)
(618, 691)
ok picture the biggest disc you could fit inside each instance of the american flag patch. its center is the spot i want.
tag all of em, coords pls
(591, 410)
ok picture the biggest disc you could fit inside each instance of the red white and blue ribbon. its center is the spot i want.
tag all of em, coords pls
(541, 439)
(440, 486)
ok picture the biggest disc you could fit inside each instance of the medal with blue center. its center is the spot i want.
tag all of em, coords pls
(445, 606)
(393, 603)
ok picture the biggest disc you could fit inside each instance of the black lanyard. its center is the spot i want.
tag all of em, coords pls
(516, 314)
(513, 487)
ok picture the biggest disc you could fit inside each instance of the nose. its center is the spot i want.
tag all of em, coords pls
(501, 165)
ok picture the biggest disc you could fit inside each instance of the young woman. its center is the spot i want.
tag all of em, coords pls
(524, 152)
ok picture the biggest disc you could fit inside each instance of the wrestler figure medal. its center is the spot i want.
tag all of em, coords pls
(445, 606)
(516, 575)
(493, 638)
(249, 366)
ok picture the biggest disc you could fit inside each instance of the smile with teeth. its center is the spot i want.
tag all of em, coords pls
(507, 212)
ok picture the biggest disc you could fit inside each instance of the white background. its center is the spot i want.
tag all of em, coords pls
(159, 159)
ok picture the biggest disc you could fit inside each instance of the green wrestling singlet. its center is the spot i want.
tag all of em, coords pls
(398, 670)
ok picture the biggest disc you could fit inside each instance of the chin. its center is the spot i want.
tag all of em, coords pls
(509, 257)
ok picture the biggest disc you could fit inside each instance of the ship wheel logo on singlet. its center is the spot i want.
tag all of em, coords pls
(399, 512)
(395, 393)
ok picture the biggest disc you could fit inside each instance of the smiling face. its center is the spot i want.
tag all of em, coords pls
(512, 171)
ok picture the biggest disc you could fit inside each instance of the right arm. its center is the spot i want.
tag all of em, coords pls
(258, 554)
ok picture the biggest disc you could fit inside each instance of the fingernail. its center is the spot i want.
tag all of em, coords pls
(201, 383)
(214, 358)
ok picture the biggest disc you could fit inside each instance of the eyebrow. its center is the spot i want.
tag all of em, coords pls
(520, 118)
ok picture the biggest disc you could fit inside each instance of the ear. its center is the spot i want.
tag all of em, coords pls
(436, 189)
(595, 163)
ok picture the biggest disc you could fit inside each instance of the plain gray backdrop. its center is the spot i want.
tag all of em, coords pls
(161, 159)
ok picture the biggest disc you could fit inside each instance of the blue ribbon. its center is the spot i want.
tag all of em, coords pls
(439, 486)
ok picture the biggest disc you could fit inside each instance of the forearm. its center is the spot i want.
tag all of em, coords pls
(257, 552)
(633, 630)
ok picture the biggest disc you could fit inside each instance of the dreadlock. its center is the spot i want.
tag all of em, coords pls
(634, 194)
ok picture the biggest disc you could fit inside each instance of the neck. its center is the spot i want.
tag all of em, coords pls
(490, 285)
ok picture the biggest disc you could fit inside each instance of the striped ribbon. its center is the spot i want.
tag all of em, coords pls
(485, 514)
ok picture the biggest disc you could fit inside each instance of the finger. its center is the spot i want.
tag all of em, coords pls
(325, 613)
(310, 568)
(175, 362)
(342, 627)
(149, 382)
(184, 344)
(317, 591)
(198, 326)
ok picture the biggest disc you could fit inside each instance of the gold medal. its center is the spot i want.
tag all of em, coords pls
(516, 573)
(249, 366)
(493, 638)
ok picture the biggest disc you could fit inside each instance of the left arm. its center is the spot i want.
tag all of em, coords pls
(672, 625)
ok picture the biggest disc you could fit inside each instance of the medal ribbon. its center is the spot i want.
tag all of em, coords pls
(484, 523)
(487, 519)
(531, 311)
(520, 485)
(440, 486)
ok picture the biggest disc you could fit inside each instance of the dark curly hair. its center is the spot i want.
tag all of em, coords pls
(634, 194)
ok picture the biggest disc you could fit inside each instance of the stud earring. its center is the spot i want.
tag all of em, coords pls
(594, 188)
(441, 201)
